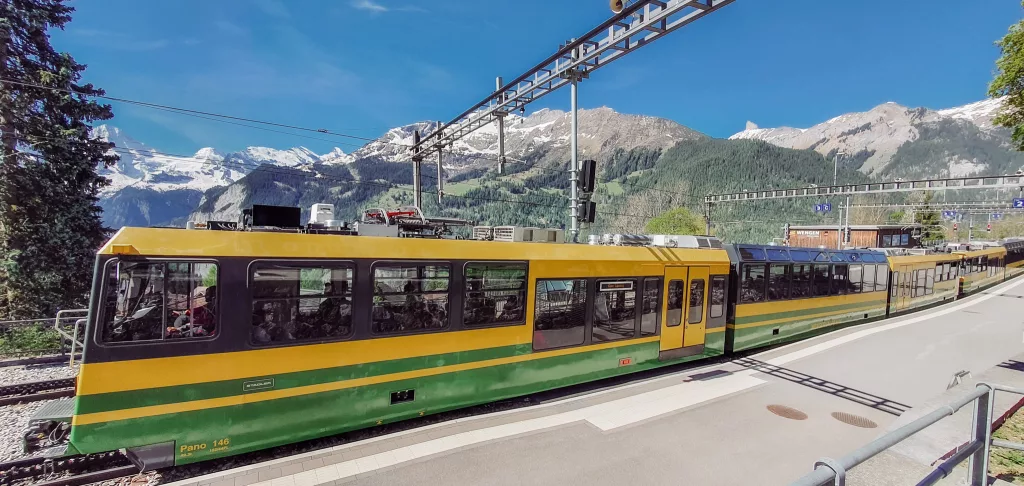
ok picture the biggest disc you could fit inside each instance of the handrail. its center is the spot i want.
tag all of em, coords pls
(833, 471)
(73, 337)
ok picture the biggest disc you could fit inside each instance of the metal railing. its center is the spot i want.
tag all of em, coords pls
(78, 316)
(833, 471)
(38, 336)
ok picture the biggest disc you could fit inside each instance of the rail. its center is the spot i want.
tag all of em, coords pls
(79, 316)
(833, 471)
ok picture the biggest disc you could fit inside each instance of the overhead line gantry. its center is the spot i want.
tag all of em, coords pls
(639, 23)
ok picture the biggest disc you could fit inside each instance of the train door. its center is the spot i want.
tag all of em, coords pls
(697, 300)
(904, 296)
(675, 296)
(684, 321)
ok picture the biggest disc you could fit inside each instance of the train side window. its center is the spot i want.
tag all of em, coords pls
(151, 301)
(881, 277)
(801, 281)
(676, 292)
(895, 288)
(922, 283)
(409, 297)
(778, 281)
(696, 312)
(821, 278)
(753, 284)
(495, 293)
(938, 273)
(869, 279)
(717, 297)
(560, 314)
(857, 279)
(614, 310)
(947, 271)
(301, 302)
(651, 307)
(839, 280)
(929, 283)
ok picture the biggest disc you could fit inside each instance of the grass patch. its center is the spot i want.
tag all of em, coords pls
(25, 340)
(1008, 464)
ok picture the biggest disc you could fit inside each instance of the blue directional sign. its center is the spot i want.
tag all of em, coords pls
(949, 215)
(823, 208)
(1018, 203)
(997, 216)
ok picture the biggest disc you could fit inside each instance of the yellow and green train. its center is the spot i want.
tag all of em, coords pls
(203, 344)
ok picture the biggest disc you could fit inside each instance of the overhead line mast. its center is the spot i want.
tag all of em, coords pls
(634, 25)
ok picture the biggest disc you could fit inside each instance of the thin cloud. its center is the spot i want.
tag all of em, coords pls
(118, 41)
(369, 6)
(273, 8)
(374, 7)
(230, 28)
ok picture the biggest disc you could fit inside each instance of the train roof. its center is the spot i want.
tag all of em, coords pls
(172, 242)
(766, 253)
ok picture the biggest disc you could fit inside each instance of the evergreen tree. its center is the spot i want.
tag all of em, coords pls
(1009, 82)
(50, 224)
(933, 231)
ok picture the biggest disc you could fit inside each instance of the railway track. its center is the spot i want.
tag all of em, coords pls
(66, 471)
(36, 390)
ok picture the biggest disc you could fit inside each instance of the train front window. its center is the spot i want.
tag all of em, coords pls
(410, 298)
(150, 301)
(301, 302)
(495, 293)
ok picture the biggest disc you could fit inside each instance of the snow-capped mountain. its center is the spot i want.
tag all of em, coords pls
(601, 130)
(542, 137)
(149, 187)
(891, 139)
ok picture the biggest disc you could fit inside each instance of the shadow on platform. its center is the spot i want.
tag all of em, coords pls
(836, 389)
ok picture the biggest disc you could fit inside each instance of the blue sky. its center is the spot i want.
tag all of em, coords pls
(362, 66)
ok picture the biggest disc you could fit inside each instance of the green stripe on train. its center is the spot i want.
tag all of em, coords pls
(104, 402)
(809, 311)
(757, 336)
(258, 425)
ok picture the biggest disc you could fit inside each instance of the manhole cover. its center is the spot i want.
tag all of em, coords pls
(854, 420)
(787, 412)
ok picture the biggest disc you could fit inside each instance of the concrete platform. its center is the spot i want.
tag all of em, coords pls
(707, 426)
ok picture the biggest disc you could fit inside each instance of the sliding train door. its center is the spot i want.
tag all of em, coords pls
(684, 322)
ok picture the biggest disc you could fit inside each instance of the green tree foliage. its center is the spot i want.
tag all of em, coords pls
(1009, 82)
(932, 230)
(50, 224)
(678, 221)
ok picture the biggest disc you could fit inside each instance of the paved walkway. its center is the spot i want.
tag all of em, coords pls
(707, 426)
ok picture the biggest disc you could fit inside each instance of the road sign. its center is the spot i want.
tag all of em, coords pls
(1018, 203)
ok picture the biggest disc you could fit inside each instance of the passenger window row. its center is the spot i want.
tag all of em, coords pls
(295, 302)
(786, 281)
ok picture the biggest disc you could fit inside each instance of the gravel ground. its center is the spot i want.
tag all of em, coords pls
(13, 421)
(11, 375)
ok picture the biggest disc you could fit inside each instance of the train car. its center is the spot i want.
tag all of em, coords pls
(981, 268)
(203, 344)
(781, 293)
(1014, 256)
(923, 280)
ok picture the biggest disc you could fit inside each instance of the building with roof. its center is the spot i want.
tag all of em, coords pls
(861, 236)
